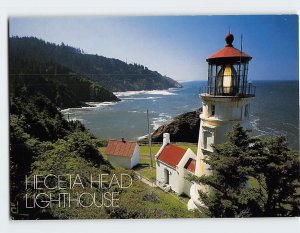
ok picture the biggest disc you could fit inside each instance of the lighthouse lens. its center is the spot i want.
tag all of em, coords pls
(227, 79)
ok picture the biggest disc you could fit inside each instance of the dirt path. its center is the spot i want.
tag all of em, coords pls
(145, 180)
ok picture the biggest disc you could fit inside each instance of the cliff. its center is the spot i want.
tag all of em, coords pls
(183, 128)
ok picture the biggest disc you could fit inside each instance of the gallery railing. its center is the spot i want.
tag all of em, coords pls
(247, 91)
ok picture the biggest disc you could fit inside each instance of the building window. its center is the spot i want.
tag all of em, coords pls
(207, 140)
(212, 110)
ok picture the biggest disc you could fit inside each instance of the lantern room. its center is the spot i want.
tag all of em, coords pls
(228, 71)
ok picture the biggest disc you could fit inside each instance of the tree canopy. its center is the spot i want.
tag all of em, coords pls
(251, 176)
(112, 74)
(62, 86)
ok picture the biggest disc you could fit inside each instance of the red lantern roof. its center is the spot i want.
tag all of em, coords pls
(229, 53)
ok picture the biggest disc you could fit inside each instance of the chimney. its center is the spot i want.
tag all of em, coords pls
(123, 140)
(166, 138)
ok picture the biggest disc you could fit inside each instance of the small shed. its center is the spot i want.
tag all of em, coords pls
(123, 153)
(173, 166)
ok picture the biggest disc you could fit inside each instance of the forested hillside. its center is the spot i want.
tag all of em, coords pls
(42, 142)
(61, 85)
(113, 74)
(38, 129)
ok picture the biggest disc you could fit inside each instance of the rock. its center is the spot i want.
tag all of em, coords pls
(183, 128)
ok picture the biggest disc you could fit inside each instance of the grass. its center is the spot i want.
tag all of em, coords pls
(146, 171)
(144, 149)
(169, 204)
(155, 203)
(144, 166)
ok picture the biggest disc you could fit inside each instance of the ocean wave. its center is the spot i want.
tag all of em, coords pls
(150, 112)
(162, 92)
(142, 98)
(186, 81)
(74, 118)
(99, 104)
(254, 123)
(93, 105)
(142, 137)
(265, 131)
(141, 111)
(153, 92)
(162, 119)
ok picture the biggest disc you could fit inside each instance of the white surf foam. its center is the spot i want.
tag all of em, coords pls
(161, 92)
(142, 137)
(99, 104)
(153, 92)
(163, 118)
(93, 105)
(142, 98)
(127, 93)
(74, 118)
(254, 124)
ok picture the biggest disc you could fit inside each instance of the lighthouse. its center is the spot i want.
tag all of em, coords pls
(225, 101)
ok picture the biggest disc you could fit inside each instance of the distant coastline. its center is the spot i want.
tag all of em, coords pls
(127, 118)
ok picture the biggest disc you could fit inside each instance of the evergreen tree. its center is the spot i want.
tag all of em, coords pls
(251, 177)
(278, 176)
(110, 73)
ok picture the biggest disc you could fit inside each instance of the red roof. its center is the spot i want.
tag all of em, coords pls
(171, 155)
(229, 52)
(120, 148)
(190, 165)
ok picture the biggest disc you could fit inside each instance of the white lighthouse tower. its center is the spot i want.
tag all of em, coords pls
(226, 101)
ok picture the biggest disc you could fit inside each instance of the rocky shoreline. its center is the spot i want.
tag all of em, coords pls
(183, 128)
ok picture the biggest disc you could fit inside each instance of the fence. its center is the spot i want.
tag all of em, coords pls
(159, 143)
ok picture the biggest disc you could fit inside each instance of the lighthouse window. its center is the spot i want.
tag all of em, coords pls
(207, 140)
(213, 109)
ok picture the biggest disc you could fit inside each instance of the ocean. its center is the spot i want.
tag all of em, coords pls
(274, 111)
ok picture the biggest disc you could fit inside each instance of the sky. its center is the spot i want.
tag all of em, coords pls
(176, 46)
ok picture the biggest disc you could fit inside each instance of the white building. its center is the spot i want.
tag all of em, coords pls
(173, 164)
(123, 153)
(226, 101)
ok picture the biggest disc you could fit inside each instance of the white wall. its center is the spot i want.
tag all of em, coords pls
(226, 108)
(135, 159)
(184, 184)
(228, 111)
(126, 162)
(174, 177)
(177, 176)
(121, 161)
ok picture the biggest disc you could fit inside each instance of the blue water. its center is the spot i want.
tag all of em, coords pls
(274, 111)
